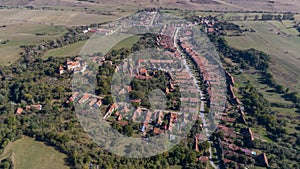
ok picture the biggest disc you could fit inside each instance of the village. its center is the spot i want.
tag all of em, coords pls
(175, 40)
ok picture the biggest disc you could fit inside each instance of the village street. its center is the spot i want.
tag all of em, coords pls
(202, 102)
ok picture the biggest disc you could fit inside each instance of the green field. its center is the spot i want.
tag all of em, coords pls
(77, 48)
(283, 48)
(127, 43)
(69, 50)
(290, 114)
(22, 26)
(27, 153)
(19, 34)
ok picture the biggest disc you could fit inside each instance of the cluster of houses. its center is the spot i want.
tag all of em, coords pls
(212, 77)
(211, 74)
(86, 98)
(229, 149)
(156, 122)
(165, 38)
(209, 24)
(73, 66)
(28, 108)
(100, 31)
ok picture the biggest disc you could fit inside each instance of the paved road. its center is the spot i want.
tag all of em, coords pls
(202, 103)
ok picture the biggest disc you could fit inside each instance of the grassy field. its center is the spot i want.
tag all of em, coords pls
(21, 27)
(70, 50)
(80, 47)
(275, 39)
(290, 114)
(19, 34)
(27, 153)
(127, 43)
(48, 17)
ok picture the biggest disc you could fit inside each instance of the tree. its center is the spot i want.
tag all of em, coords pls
(108, 100)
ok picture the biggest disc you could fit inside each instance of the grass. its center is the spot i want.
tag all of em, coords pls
(19, 34)
(283, 49)
(23, 25)
(77, 48)
(289, 114)
(104, 44)
(52, 17)
(28, 153)
(128, 42)
(69, 50)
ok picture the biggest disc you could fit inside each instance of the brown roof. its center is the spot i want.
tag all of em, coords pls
(19, 110)
(203, 159)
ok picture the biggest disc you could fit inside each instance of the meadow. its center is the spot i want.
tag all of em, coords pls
(25, 27)
(279, 41)
(28, 153)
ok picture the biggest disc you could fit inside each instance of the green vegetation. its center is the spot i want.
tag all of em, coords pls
(69, 50)
(37, 81)
(282, 48)
(142, 88)
(262, 115)
(127, 43)
(16, 35)
(28, 153)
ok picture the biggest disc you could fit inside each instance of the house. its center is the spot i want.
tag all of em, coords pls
(61, 70)
(120, 117)
(99, 102)
(203, 159)
(136, 101)
(137, 112)
(19, 110)
(250, 133)
(37, 107)
(172, 117)
(111, 109)
(143, 72)
(196, 142)
(263, 160)
(72, 65)
(92, 102)
(28, 108)
(74, 96)
(125, 109)
(210, 30)
(84, 98)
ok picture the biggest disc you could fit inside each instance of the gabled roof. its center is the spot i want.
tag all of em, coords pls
(19, 110)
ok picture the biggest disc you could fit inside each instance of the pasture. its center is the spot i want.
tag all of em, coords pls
(17, 34)
(28, 153)
(290, 114)
(69, 50)
(117, 41)
(275, 39)
(24, 27)
(119, 5)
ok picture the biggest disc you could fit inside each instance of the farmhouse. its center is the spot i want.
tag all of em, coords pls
(19, 110)
(36, 107)
(84, 98)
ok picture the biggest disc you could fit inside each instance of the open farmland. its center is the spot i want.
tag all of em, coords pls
(219, 5)
(24, 27)
(18, 34)
(69, 50)
(52, 17)
(277, 40)
(28, 153)
(75, 49)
